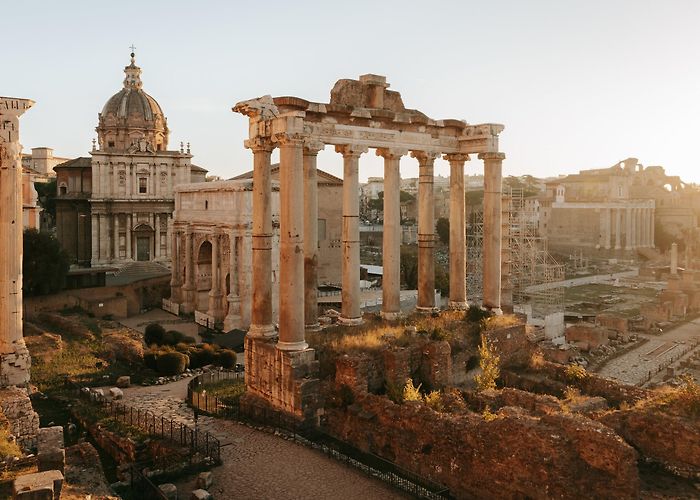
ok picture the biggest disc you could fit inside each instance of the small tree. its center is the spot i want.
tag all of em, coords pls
(443, 230)
(44, 263)
(489, 363)
(154, 334)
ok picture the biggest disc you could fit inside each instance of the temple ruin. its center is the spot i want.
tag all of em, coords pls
(361, 114)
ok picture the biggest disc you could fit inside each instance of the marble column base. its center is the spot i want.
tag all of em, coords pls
(390, 316)
(262, 331)
(292, 346)
(459, 306)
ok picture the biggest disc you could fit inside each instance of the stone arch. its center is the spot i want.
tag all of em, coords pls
(203, 274)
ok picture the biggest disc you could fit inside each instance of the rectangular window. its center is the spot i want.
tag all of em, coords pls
(321, 229)
(143, 185)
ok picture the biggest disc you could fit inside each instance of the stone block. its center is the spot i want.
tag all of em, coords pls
(124, 381)
(116, 393)
(201, 494)
(205, 480)
(169, 490)
(44, 485)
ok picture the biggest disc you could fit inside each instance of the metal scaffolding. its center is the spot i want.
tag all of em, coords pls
(526, 260)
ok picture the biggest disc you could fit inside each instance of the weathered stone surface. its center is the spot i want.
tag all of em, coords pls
(200, 494)
(169, 490)
(24, 421)
(38, 486)
(123, 382)
(205, 480)
(116, 393)
(50, 449)
(512, 456)
(592, 335)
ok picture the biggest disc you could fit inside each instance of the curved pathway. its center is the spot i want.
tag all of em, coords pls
(259, 465)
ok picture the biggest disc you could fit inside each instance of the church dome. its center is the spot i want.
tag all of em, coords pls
(131, 116)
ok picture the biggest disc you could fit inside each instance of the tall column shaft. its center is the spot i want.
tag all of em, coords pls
(129, 226)
(233, 316)
(261, 316)
(156, 249)
(458, 240)
(14, 356)
(189, 290)
(351, 313)
(175, 279)
(628, 229)
(652, 228)
(214, 305)
(391, 251)
(95, 235)
(115, 239)
(674, 259)
(311, 150)
(618, 227)
(492, 230)
(426, 231)
(291, 311)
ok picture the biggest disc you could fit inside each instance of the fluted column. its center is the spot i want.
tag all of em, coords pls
(311, 149)
(233, 316)
(189, 289)
(628, 229)
(458, 241)
(492, 230)
(175, 278)
(426, 231)
(618, 226)
(214, 306)
(261, 316)
(291, 310)
(391, 251)
(14, 356)
(351, 313)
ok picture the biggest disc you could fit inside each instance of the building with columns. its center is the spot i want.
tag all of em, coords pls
(361, 114)
(598, 209)
(133, 175)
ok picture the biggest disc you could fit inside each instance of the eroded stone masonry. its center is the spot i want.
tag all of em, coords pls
(361, 114)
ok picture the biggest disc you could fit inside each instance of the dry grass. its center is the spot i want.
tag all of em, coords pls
(682, 401)
(504, 321)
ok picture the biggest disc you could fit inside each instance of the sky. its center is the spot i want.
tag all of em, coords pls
(578, 84)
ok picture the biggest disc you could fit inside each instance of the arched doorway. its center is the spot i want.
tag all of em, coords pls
(143, 238)
(203, 276)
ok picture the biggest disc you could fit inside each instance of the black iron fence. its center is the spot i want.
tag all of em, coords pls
(314, 437)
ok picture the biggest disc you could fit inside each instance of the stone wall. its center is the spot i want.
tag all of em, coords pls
(513, 456)
(511, 344)
(15, 365)
(24, 421)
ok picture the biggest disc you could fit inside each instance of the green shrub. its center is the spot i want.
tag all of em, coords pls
(150, 360)
(172, 363)
(489, 362)
(226, 358)
(154, 334)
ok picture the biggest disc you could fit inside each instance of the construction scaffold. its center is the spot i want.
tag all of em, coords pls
(526, 259)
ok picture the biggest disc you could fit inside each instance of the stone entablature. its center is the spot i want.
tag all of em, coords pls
(211, 235)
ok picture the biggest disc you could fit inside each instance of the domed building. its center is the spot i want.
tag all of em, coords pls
(129, 185)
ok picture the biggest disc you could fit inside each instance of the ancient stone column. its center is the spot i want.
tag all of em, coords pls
(261, 317)
(311, 149)
(351, 313)
(633, 226)
(607, 215)
(14, 356)
(129, 226)
(291, 310)
(628, 229)
(115, 245)
(674, 259)
(189, 290)
(618, 226)
(458, 240)
(156, 249)
(214, 305)
(95, 236)
(175, 278)
(233, 316)
(426, 231)
(391, 251)
(652, 229)
(492, 230)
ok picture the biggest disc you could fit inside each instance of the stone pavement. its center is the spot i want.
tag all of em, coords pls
(259, 465)
(648, 361)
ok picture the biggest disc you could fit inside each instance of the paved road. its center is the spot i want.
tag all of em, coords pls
(259, 465)
(648, 361)
(586, 280)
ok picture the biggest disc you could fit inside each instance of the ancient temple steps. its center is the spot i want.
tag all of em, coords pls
(136, 271)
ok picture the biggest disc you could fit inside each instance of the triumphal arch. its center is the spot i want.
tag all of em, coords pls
(361, 115)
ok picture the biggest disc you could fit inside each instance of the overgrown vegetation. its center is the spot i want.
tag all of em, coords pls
(228, 391)
(489, 363)
(44, 263)
(682, 401)
(576, 373)
(8, 447)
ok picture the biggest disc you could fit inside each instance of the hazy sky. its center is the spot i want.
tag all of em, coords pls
(577, 84)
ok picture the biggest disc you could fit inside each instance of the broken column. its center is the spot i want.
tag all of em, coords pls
(14, 356)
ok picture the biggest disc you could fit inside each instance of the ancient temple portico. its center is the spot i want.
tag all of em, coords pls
(14, 356)
(361, 115)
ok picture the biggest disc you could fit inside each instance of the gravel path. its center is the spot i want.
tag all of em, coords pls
(259, 465)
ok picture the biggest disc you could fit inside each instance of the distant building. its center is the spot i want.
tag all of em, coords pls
(37, 167)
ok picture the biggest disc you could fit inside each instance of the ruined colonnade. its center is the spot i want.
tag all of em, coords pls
(300, 129)
(628, 227)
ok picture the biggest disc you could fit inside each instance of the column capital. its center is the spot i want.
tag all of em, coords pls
(259, 144)
(456, 157)
(351, 150)
(312, 146)
(425, 157)
(287, 139)
(392, 153)
(492, 156)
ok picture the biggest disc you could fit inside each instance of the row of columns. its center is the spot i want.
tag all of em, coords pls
(638, 228)
(106, 231)
(298, 235)
(108, 181)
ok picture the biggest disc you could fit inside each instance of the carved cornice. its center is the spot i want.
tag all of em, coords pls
(286, 139)
(351, 150)
(259, 144)
(452, 157)
(392, 153)
(492, 156)
(425, 157)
